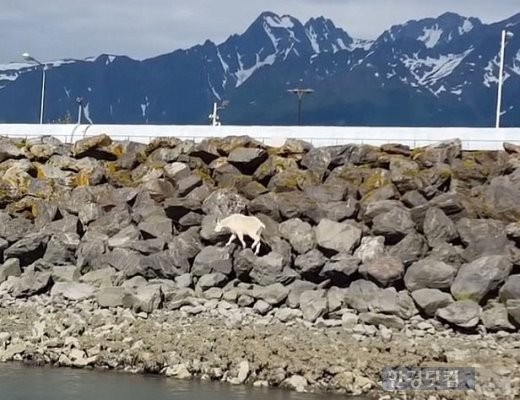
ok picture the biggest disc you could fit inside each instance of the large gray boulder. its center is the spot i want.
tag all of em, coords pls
(313, 304)
(360, 293)
(103, 277)
(11, 267)
(340, 268)
(212, 259)
(384, 269)
(114, 297)
(147, 298)
(32, 282)
(390, 321)
(462, 313)
(476, 279)
(430, 300)
(299, 234)
(337, 236)
(157, 226)
(28, 249)
(510, 290)
(495, 317)
(513, 309)
(73, 290)
(311, 263)
(411, 248)
(268, 269)
(393, 225)
(215, 279)
(429, 273)
(438, 227)
(296, 288)
(483, 237)
(371, 247)
(274, 294)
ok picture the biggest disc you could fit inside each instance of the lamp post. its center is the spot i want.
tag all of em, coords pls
(29, 58)
(505, 35)
(79, 101)
(215, 119)
(300, 92)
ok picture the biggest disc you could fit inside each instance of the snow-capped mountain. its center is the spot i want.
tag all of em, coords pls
(434, 71)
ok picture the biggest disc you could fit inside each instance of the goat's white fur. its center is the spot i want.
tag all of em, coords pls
(241, 225)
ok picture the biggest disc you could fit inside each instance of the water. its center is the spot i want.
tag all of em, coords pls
(19, 382)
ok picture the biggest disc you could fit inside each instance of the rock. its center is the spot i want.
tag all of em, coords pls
(483, 237)
(393, 225)
(494, 317)
(310, 264)
(66, 273)
(89, 144)
(103, 277)
(340, 268)
(179, 371)
(299, 234)
(335, 297)
(224, 202)
(513, 309)
(147, 298)
(390, 321)
(360, 294)
(371, 247)
(267, 269)
(247, 160)
(509, 291)
(32, 282)
(114, 297)
(292, 180)
(429, 273)
(184, 280)
(448, 253)
(212, 259)
(349, 320)
(326, 193)
(273, 294)
(442, 152)
(243, 373)
(28, 249)
(430, 300)
(262, 307)
(61, 249)
(412, 248)
(156, 226)
(462, 313)
(474, 280)
(413, 198)
(336, 236)
(313, 304)
(296, 382)
(438, 228)
(176, 171)
(210, 280)
(296, 288)
(286, 314)
(73, 290)
(11, 267)
(384, 269)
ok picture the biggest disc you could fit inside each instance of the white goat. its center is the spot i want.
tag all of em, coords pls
(241, 225)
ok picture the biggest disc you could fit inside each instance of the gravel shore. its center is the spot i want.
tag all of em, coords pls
(219, 341)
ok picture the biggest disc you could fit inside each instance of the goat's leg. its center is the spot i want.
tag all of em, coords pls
(231, 238)
(256, 244)
(241, 238)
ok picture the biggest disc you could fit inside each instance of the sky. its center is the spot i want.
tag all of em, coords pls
(57, 29)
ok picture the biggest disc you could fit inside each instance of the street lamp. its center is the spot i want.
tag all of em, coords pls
(29, 58)
(505, 35)
(79, 101)
(215, 119)
(300, 92)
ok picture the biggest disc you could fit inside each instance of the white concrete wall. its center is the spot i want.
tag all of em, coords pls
(472, 138)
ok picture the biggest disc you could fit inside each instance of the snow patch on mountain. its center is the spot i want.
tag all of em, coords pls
(466, 27)
(243, 74)
(430, 70)
(431, 36)
(279, 22)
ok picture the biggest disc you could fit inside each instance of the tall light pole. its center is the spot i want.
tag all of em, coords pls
(300, 92)
(30, 58)
(505, 35)
(215, 119)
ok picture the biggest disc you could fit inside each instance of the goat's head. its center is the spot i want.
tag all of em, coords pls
(218, 226)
